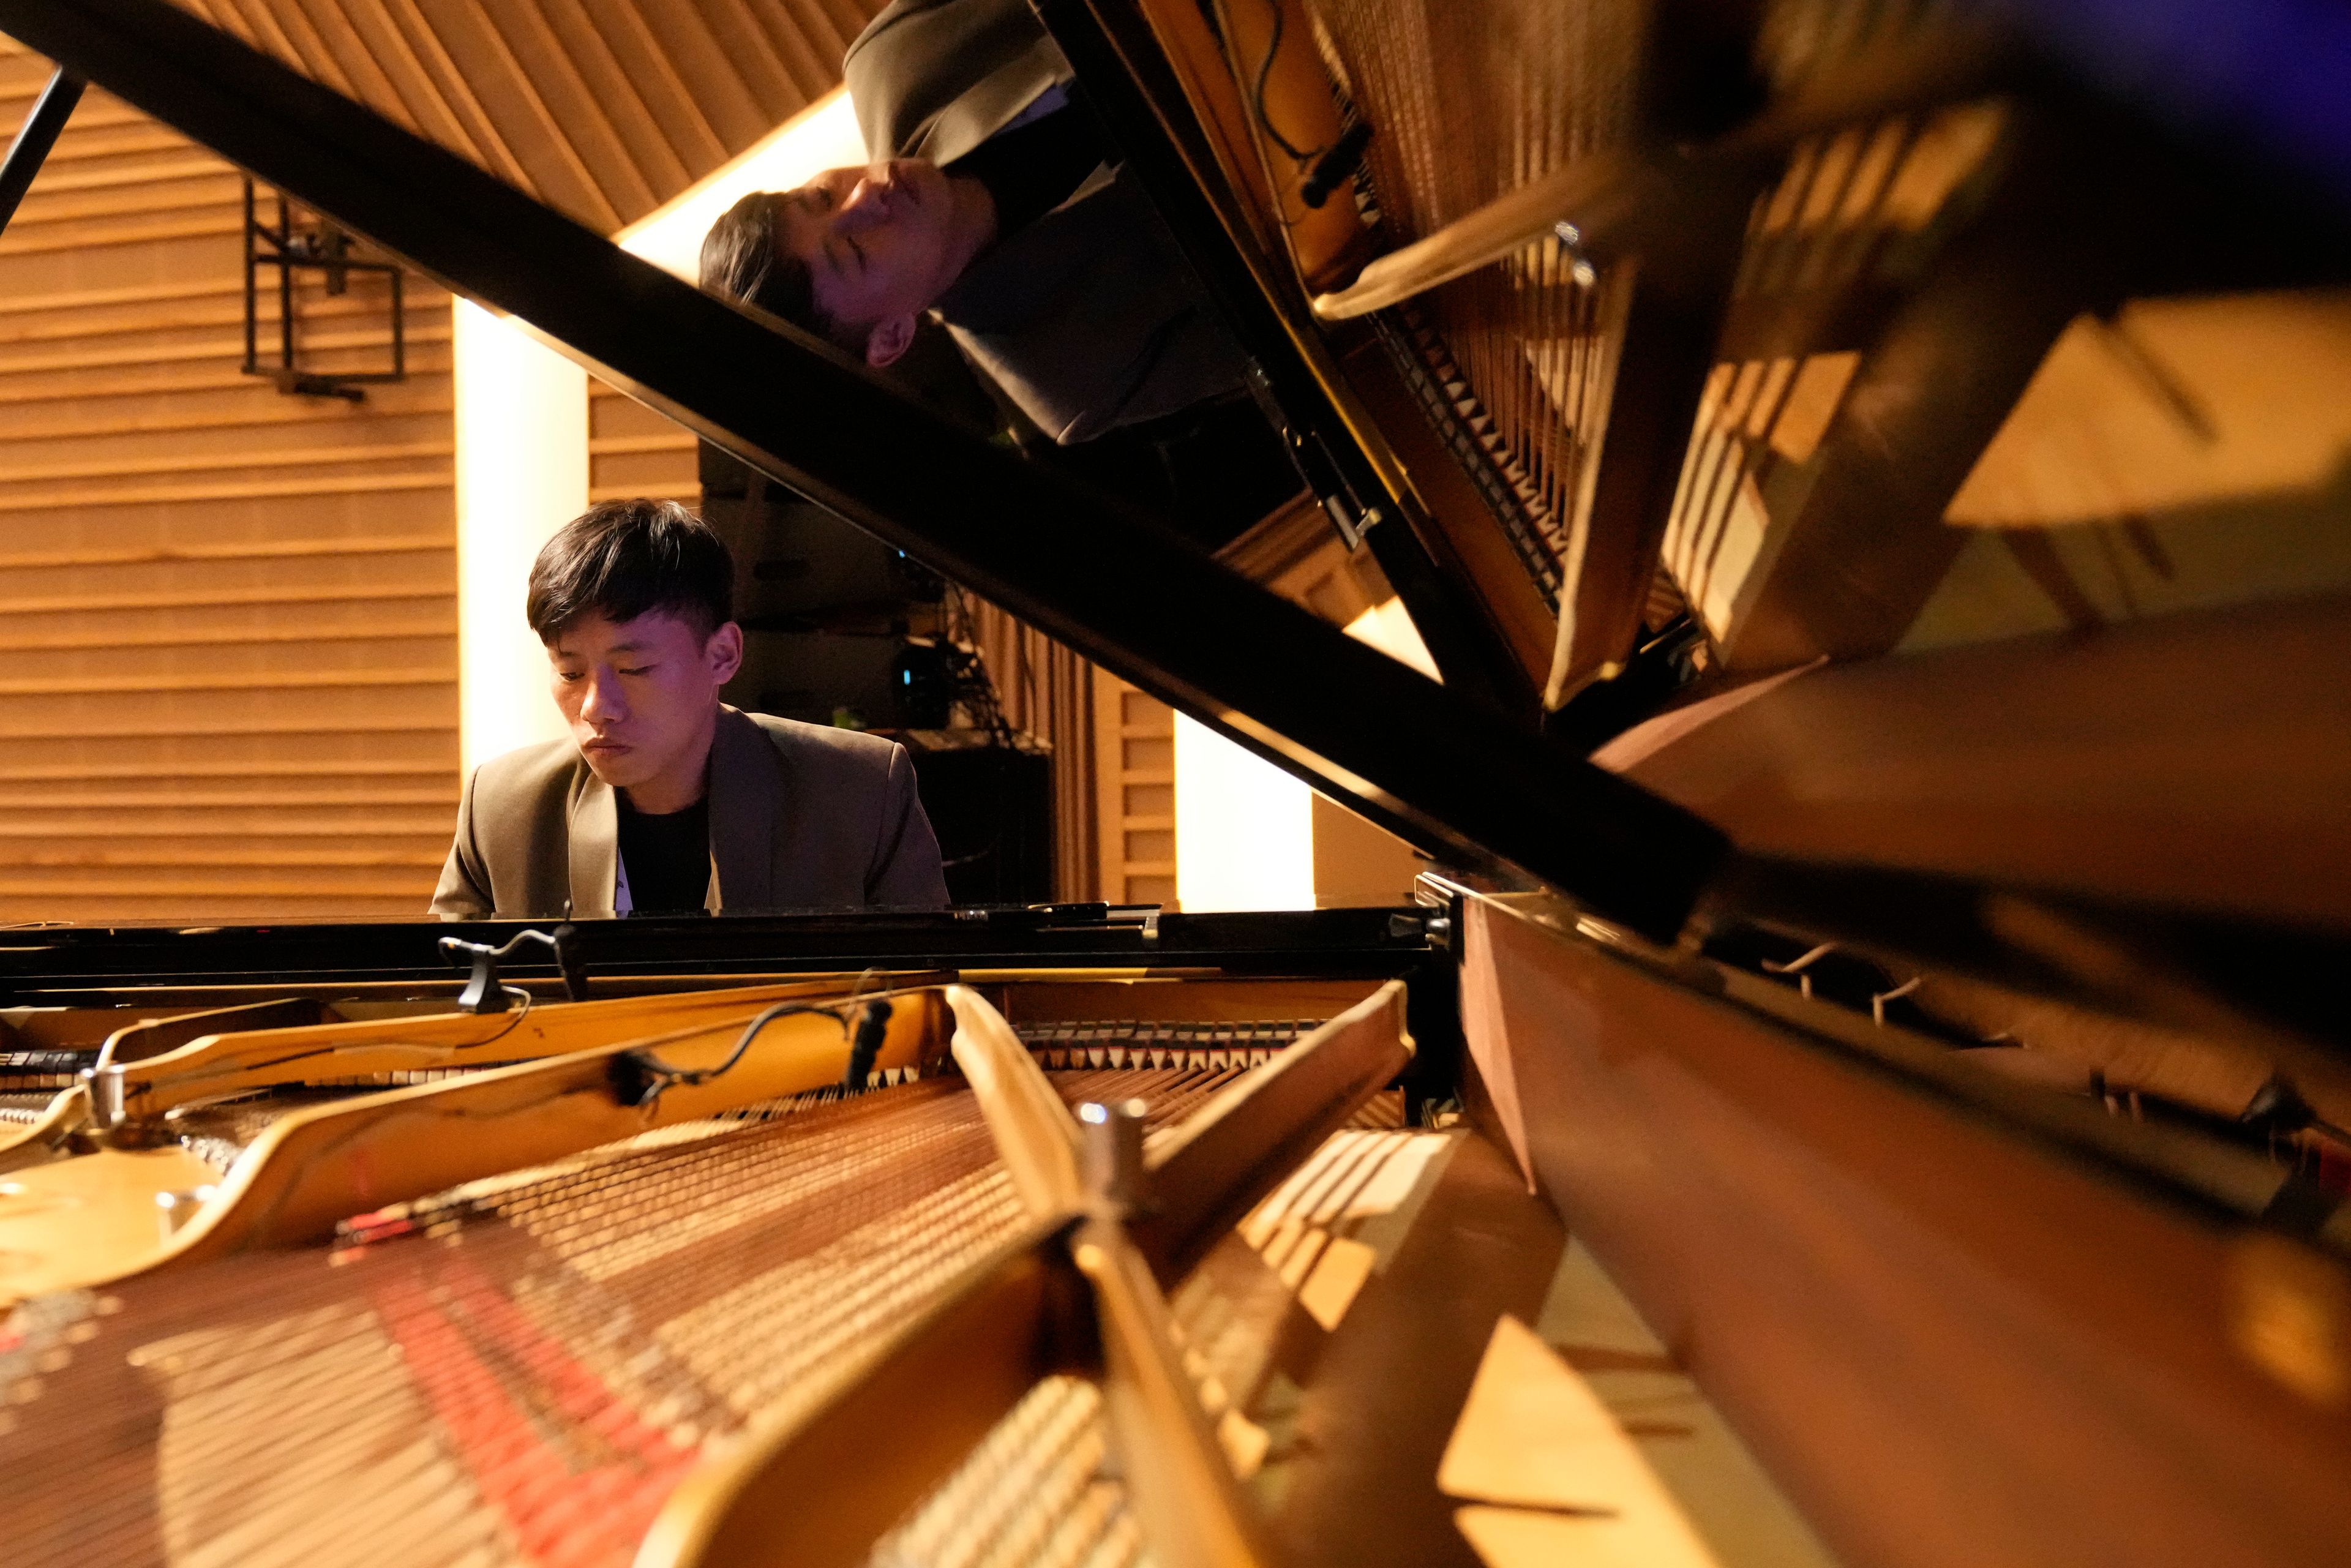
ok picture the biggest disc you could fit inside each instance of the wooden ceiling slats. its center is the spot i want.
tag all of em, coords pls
(804, 43)
(133, 294)
(481, 141)
(676, 106)
(765, 70)
(224, 347)
(548, 150)
(63, 177)
(580, 114)
(682, 39)
(192, 420)
(621, 94)
(336, 37)
(283, 31)
(375, 32)
(605, 108)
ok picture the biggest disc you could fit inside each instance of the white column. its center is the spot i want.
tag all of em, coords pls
(522, 472)
(1244, 829)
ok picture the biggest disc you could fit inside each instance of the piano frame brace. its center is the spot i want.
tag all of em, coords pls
(1079, 1290)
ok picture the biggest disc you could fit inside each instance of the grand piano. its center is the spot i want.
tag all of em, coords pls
(1865, 1080)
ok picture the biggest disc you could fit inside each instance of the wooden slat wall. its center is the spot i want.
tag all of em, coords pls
(1047, 690)
(633, 451)
(230, 614)
(1134, 771)
(604, 108)
(234, 692)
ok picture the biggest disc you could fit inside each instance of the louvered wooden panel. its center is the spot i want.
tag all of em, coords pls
(633, 451)
(1046, 691)
(605, 108)
(1135, 771)
(228, 615)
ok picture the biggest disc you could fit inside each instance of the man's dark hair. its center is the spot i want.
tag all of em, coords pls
(741, 260)
(621, 559)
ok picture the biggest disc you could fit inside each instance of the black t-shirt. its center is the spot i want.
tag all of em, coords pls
(667, 858)
(1031, 169)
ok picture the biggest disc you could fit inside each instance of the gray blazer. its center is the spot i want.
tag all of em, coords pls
(802, 816)
(1087, 319)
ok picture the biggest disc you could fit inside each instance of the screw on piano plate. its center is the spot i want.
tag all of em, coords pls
(1112, 1163)
(1571, 240)
(174, 1209)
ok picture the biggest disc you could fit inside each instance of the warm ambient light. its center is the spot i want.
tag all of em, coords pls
(1244, 829)
(522, 438)
(522, 472)
(1388, 627)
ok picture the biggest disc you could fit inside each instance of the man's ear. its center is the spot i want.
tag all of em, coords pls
(891, 337)
(723, 652)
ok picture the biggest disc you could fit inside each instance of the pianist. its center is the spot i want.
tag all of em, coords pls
(664, 799)
(995, 207)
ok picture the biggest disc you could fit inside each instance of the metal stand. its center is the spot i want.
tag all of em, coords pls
(325, 248)
(487, 992)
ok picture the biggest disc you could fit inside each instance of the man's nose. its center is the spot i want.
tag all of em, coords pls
(603, 704)
(868, 205)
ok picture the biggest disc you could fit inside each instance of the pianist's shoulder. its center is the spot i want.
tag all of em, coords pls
(528, 769)
(822, 744)
(551, 767)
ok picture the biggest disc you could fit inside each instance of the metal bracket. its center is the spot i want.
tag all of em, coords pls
(1111, 1158)
(323, 247)
(872, 1034)
(487, 993)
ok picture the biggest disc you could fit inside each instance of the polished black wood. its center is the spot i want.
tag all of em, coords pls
(1120, 586)
(69, 966)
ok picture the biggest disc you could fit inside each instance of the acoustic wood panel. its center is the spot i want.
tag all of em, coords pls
(604, 108)
(229, 614)
(633, 451)
(1047, 690)
(1134, 772)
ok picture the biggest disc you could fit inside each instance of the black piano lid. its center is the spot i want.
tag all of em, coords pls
(65, 966)
(1118, 586)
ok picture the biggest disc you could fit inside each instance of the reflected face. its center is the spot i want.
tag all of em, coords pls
(878, 241)
(642, 698)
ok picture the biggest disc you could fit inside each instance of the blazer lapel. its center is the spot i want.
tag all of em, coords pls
(595, 835)
(743, 806)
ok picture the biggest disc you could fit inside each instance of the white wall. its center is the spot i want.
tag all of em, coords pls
(1244, 829)
(522, 472)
